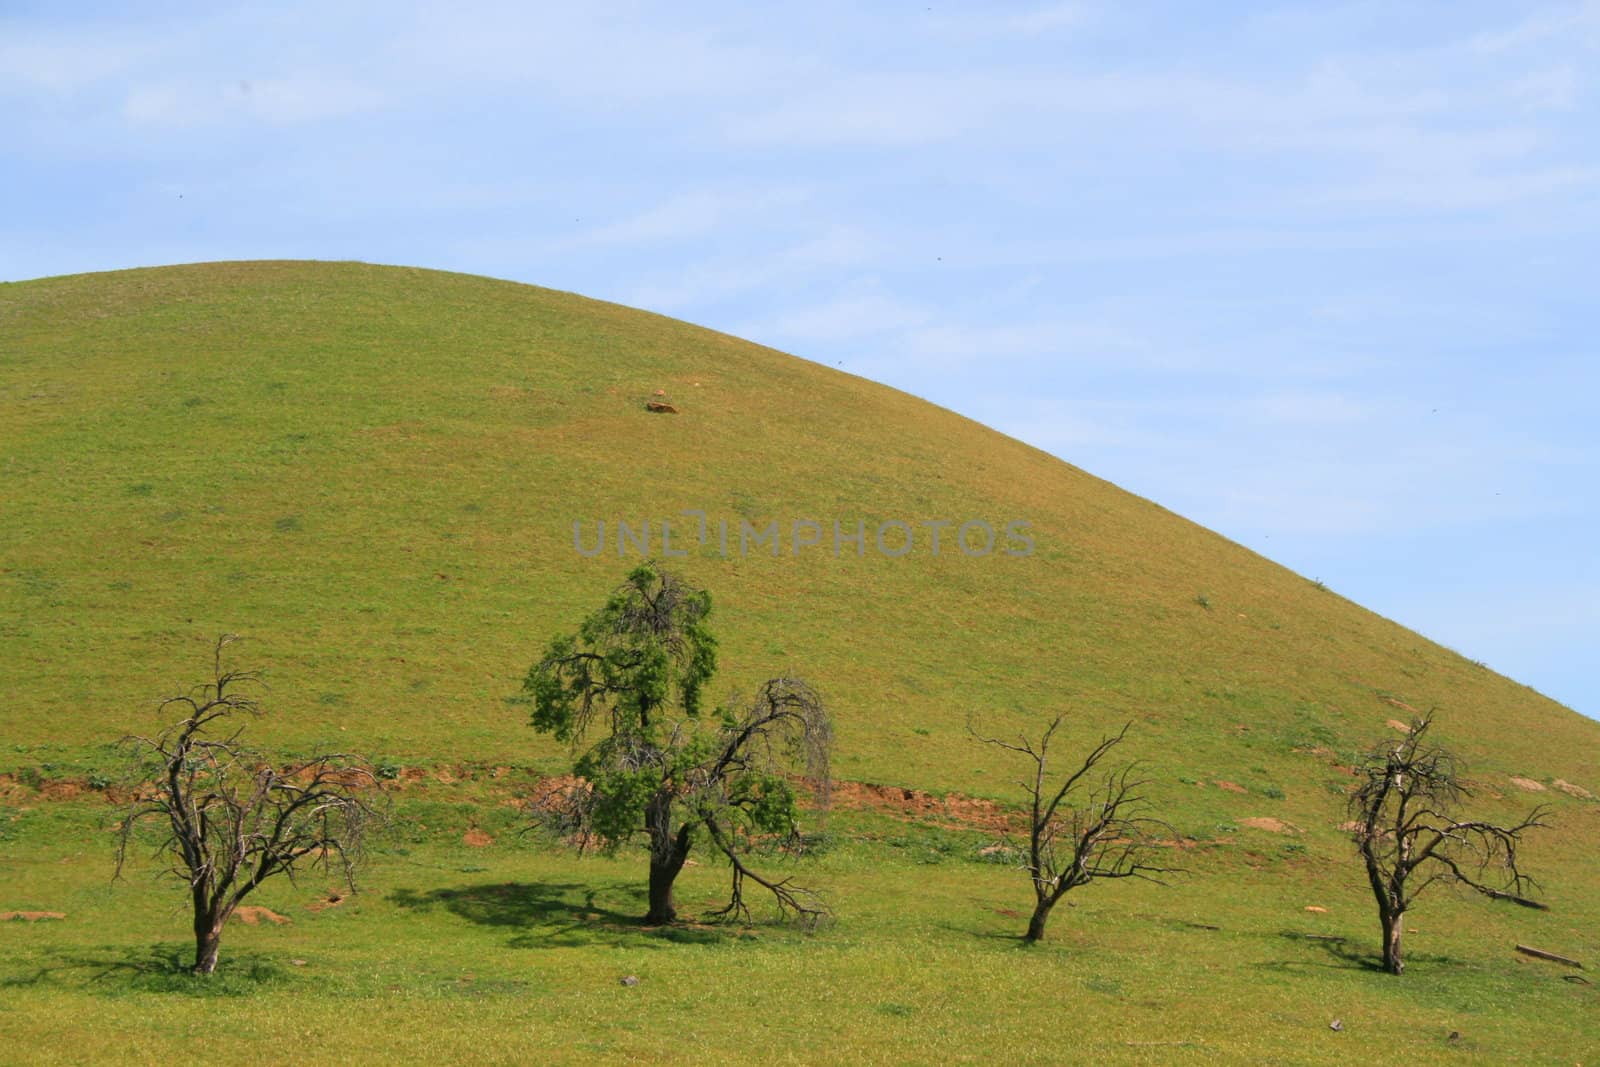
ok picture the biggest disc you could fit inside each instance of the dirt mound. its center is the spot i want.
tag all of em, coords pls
(1403, 706)
(1232, 787)
(332, 900)
(1527, 783)
(1572, 790)
(252, 916)
(963, 811)
(476, 838)
(31, 916)
(1271, 825)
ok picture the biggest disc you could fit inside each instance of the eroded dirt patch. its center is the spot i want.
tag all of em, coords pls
(31, 916)
(253, 916)
(961, 810)
(1527, 783)
(1269, 824)
(332, 900)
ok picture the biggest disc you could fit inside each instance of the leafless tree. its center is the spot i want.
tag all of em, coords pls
(742, 791)
(1072, 842)
(1406, 826)
(228, 818)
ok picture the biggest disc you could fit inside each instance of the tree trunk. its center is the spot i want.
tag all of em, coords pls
(1041, 912)
(662, 875)
(207, 941)
(1393, 927)
(663, 872)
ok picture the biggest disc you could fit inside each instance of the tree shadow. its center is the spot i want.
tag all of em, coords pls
(1340, 952)
(1348, 957)
(155, 969)
(564, 913)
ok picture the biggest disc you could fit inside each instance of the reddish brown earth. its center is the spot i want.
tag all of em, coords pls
(251, 916)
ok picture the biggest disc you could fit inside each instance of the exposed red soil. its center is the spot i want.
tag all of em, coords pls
(1232, 787)
(332, 900)
(252, 916)
(476, 838)
(963, 811)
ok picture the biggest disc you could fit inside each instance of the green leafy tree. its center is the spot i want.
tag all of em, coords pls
(666, 767)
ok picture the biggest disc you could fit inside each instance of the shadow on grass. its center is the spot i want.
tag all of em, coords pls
(156, 969)
(565, 913)
(1348, 957)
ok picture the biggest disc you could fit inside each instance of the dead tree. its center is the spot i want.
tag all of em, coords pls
(228, 818)
(742, 793)
(1407, 829)
(1072, 843)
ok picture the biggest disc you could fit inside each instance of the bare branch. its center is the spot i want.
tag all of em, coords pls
(228, 819)
(1410, 838)
(1106, 835)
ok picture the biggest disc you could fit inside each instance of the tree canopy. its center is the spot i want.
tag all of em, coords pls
(666, 767)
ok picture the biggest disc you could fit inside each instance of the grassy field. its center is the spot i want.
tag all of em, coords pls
(373, 474)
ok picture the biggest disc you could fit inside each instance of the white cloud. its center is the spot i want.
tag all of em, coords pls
(279, 101)
(698, 285)
(592, 55)
(64, 65)
(1552, 89)
(1305, 408)
(843, 318)
(693, 214)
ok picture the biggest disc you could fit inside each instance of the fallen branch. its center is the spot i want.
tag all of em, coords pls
(1543, 955)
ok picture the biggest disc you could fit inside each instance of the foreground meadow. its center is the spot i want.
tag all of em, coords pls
(506, 949)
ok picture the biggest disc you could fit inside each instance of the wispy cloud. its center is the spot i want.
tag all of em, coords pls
(292, 99)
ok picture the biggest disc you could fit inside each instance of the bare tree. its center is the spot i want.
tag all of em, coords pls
(1406, 827)
(742, 792)
(228, 818)
(1071, 842)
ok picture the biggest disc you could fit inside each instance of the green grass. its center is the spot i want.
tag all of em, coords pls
(509, 952)
(373, 473)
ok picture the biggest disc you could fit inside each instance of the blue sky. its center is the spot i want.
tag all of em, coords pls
(1321, 277)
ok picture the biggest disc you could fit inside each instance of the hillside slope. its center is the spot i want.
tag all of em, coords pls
(374, 472)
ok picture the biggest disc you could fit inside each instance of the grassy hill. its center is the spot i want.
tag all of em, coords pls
(374, 472)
